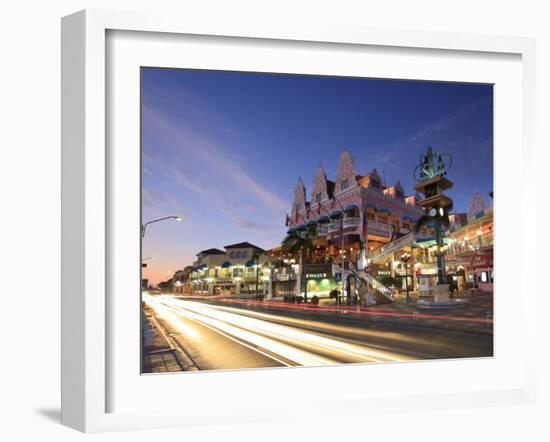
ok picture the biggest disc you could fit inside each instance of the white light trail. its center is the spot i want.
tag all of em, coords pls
(291, 343)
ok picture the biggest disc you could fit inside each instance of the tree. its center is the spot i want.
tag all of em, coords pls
(256, 258)
(301, 243)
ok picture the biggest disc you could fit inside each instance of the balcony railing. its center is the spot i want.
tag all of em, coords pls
(352, 221)
(334, 226)
(473, 244)
(322, 229)
(377, 228)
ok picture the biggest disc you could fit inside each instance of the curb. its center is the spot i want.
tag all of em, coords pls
(184, 360)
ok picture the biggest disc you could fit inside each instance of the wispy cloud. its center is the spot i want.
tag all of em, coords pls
(469, 126)
(194, 162)
(158, 204)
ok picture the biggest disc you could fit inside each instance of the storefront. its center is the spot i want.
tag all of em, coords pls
(284, 282)
(477, 269)
(426, 278)
(482, 266)
(320, 280)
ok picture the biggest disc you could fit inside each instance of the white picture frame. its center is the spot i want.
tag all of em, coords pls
(86, 205)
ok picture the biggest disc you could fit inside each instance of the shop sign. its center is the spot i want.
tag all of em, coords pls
(316, 275)
(482, 261)
(426, 271)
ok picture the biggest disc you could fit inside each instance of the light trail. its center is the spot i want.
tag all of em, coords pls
(289, 342)
(299, 357)
(364, 311)
(328, 327)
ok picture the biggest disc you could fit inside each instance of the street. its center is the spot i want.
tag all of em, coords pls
(216, 336)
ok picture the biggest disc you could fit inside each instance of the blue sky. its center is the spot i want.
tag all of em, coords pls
(224, 149)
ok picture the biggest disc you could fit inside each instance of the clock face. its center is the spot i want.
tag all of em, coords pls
(432, 211)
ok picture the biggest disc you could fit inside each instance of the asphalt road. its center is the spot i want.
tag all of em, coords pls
(224, 337)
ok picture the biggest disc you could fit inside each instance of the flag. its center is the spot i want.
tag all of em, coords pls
(287, 220)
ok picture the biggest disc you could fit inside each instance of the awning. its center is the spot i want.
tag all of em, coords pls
(337, 214)
(407, 218)
(430, 241)
(351, 207)
(323, 220)
(301, 228)
(226, 265)
(384, 210)
(371, 206)
(249, 264)
(311, 224)
(291, 230)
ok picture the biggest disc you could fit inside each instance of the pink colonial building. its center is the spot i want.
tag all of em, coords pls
(351, 209)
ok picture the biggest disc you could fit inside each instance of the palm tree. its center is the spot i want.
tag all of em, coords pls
(256, 258)
(302, 243)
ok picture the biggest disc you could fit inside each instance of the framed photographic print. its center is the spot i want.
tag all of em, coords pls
(257, 216)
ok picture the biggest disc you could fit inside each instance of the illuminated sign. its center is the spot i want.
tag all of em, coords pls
(315, 275)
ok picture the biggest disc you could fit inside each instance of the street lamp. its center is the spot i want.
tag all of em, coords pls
(144, 226)
(406, 257)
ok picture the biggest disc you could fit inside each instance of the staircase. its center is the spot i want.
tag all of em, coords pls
(391, 247)
(371, 288)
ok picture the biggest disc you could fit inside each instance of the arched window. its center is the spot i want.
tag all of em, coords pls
(244, 254)
(237, 254)
(232, 254)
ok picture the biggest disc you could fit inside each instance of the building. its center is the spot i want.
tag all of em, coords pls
(239, 269)
(182, 279)
(353, 209)
(470, 255)
(359, 219)
(355, 217)
(468, 247)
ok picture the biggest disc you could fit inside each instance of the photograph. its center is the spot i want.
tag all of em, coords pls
(295, 220)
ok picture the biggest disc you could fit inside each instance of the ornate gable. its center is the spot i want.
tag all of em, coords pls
(345, 174)
(319, 191)
(477, 205)
(299, 203)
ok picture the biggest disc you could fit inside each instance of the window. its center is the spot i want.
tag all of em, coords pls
(374, 183)
(237, 254)
(244, 254)
(232, 254)
(344, 184)
(484, 277)
(318, 197)
(237, 272)
(298, 207)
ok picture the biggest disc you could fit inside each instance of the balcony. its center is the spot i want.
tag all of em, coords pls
(322, 229)
(334, 226)
(379, 229)
(352, 222)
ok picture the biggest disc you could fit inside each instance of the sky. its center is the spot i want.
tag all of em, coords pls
(224, 150)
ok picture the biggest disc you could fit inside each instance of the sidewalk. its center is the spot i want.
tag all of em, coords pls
(158, 354)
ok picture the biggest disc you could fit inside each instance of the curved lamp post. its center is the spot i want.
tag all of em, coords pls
(144, 226)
